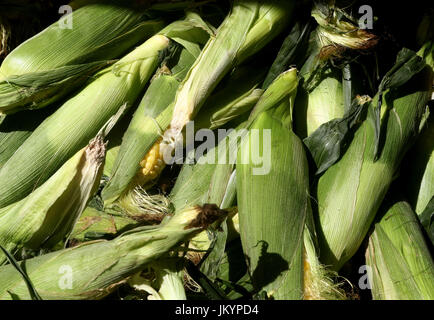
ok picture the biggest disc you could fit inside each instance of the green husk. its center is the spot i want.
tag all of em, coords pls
(233, 98)
(78, 120)
(15, 129)
(40, 89)
(232, 276)
(292, 52)
(112, 153)
(207, 180)
(419, 173)
(401, 264)
(115, 140)
(262, 236)
(95, 269)
(95, 224)
(336, 132)
(427, 220)
(319, 282)
(351, 191)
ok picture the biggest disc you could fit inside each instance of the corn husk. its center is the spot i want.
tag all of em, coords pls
(350, 192)
(420, 179)
(41, 52)
(95, 269)
(339, 31)
(210, 180)
(58, 60)
(319, 282)
(294, 50)
(40, 89)
(232, 99)
(324, 103)
(77, 121)
(401, 265)
(47, 216)
(419, 173)
(114, 139)
(232, 276)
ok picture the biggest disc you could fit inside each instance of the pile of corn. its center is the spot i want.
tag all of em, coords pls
(320, 186)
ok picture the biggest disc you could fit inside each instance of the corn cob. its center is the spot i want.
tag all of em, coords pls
(287, 228)
(77, 121)
(166, 281)
(249, 27)
(351, 191)
(154, 111)
(47, 216)
(95, 269)
(40, 89)
(59, 60)
(324, 95)
(258, 234)
(210, 180)
(231, 101)
(52, 48)
(319, 283)
(400, 262)
(211, 186)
